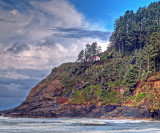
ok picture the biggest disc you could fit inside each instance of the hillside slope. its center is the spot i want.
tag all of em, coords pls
(124, 83)
(55, 97)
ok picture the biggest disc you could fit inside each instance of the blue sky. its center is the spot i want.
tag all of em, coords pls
(106, 11)
(37, 35)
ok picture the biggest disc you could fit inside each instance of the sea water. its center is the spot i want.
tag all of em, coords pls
(66, 125)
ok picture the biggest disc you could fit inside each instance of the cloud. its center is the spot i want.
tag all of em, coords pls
(26, 83)
(20, 5)
(32, 74)
(5, 20)
(79, 33)
(36, 36)
(37, 47)
(17, 48)
(12, 90)
(45, 43)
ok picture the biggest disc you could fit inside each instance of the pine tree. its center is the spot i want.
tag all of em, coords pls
(131, 77)
(94, 47)
(80, 56)
(155, 44)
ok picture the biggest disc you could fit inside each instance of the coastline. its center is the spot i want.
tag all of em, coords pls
(105, 112)
(77, 125)
(108, 118)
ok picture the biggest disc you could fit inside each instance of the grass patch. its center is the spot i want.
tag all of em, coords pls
(141, 96)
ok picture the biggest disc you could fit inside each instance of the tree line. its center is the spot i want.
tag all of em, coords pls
(139, 34)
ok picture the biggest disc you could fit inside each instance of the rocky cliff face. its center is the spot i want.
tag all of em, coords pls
(64, 94)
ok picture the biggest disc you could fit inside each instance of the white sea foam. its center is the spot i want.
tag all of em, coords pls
(3, 117)
(41, 125)
(126, 121)
(149, 130)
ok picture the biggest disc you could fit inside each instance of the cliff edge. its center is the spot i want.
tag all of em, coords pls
(70, 91)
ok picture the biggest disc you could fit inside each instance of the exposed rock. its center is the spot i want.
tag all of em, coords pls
(92, 111)
(52, 98)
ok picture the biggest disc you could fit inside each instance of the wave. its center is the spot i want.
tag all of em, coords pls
(147, 130)
(3, 117)
(127, 121)
(68, 125)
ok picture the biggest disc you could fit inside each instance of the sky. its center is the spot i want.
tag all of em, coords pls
(38, 35)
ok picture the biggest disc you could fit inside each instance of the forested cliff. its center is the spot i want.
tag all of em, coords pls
(125, 82)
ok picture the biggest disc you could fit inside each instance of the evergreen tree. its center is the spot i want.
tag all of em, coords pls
(80, 55)
(155, 45)
(131, 77)
(133, 30)
(94, 47)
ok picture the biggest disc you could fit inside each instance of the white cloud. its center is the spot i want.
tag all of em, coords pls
(12, 90)
(104, 45)
(62, 12)
(31, 27)
(29, 49)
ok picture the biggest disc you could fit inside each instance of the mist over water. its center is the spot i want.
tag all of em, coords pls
(66, 125)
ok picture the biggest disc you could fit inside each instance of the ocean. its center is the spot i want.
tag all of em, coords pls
(68, 125)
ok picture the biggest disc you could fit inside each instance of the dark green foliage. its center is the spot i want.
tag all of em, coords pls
(134, 54)
(133, 30)
(136, 36)
(104, 56)
(103, 92)
(131, 77)
(80, 56)
(112, 97)
(87, 94)
(79, 69)
(104, 85)
(94, 49)
(155, 48)
(141, 96)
